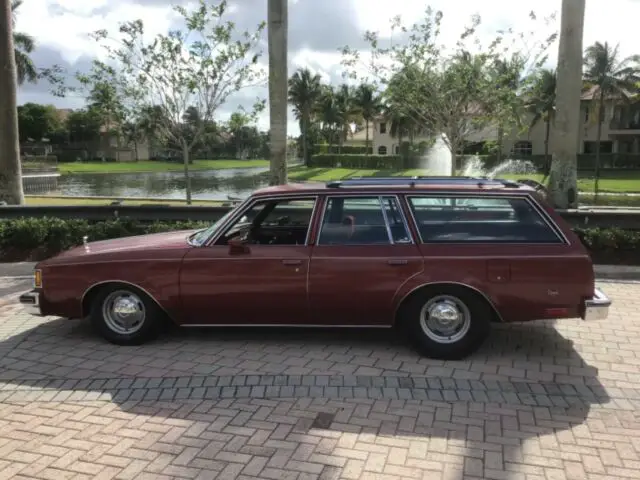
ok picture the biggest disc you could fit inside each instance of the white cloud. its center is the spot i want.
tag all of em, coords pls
(63, 25)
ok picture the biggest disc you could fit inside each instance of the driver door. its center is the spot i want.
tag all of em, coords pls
(254, 273)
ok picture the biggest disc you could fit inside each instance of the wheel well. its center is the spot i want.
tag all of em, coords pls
(90, 295)
(449, 287)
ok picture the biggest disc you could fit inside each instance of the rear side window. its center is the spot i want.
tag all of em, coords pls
(459, 219)
(363, 221)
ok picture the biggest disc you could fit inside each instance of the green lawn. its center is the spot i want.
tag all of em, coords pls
(153, 166)
(617, 182)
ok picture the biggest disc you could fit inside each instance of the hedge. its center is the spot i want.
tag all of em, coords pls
(323, 149)
(38, 238)
(378, 162)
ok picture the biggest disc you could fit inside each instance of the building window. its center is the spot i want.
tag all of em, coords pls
(397, 149)
(383, 127)
(382, 150)
(523, 147)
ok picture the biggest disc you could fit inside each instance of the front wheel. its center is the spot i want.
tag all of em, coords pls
(447, 323)
(124, 315)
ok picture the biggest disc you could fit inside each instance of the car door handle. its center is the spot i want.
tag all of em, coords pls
(397, 261)
(292, 262)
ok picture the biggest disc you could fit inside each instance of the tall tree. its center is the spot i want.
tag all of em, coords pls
(278, 21)
(541, 104)
(612, 78)
(305, 90)
(36, 121)
(199, 66)
(506, 74)
(370, 106)
(563, 179)
(454, 95)
(23, 45)
(10, 174)
(347, 113)
(329, 113)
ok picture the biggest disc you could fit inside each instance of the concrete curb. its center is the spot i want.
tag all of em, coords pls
(617, 272)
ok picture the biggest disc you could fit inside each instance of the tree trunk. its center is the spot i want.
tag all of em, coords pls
(547, 165)
(305, 147)
(500, 142)
(277, 19)
(10, 173)
(366, 141)
(187, 177)
(598, 135)
(563, 181)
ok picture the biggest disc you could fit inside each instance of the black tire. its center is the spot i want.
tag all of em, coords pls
(453, 346)
(143, 330)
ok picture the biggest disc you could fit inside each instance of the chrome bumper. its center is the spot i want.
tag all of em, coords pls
(597, 307)
(31, 302)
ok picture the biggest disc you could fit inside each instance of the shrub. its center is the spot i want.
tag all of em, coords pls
(324, 149)
(37, 238)
(373, 162)
(41, 237)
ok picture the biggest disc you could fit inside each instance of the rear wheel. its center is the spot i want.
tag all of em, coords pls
(124, 315)
(447, 323)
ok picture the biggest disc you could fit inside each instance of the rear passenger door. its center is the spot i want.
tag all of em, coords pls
(504, 246)
(362, 255)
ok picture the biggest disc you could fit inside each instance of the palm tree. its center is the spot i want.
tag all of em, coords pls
(610, 77)
(506, 74)
(305, 90)
(369, 105)
(23, 45)
(541, 103)
(347, 112)
(277, 20)
(328, 112)
(563, 183)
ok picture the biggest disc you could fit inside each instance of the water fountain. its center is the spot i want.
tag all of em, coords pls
(438, 159)
(438, 162)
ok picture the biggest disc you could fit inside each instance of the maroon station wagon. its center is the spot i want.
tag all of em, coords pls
(443, 258)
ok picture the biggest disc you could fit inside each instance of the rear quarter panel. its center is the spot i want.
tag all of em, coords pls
(157, 273)
(522, 281)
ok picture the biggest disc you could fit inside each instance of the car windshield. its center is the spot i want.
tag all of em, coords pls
(201, 236)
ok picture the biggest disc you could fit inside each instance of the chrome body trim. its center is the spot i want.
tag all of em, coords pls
(31, 303)
(596, 307)
(386, 220)
(459, 284)
(281, 325)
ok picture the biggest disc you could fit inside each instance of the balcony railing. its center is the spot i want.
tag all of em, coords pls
(624, 125)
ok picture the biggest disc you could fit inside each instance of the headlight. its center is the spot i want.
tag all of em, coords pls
(37, 278)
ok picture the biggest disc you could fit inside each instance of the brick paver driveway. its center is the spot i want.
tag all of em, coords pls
(540, 401)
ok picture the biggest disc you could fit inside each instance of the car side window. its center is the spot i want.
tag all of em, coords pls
(460, 219)
(360, 221)
(273, 222)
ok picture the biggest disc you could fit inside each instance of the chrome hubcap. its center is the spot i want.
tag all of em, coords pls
(445, 319)
(123, 312)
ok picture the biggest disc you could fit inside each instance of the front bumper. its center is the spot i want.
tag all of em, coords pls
(597, 307)
(31, 302)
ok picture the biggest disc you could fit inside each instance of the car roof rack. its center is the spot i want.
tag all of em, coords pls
(422, 180)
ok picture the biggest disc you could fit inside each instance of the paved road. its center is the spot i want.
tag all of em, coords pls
(541, 401)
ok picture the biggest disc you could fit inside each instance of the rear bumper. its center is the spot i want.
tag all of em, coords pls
(597, 307)
(31, 302)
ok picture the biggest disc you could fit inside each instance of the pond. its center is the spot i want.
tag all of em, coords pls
(205, 185)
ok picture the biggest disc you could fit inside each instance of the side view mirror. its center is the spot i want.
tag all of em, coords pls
(238, 246)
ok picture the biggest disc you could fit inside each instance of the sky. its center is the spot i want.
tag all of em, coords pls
(318, 29)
